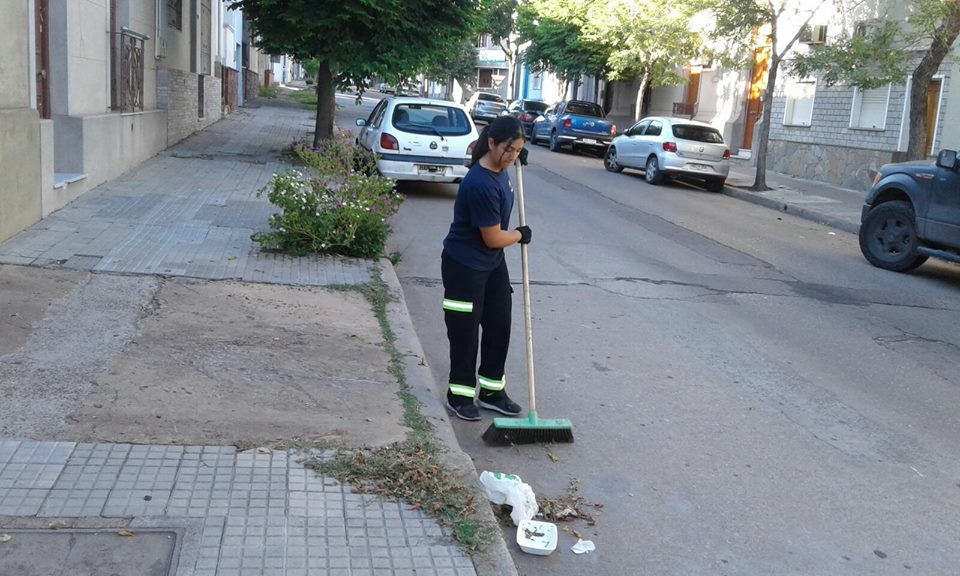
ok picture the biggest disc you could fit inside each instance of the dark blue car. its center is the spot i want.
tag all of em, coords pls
(574, 124)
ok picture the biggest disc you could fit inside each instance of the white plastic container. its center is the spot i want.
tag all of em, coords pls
(535, 537)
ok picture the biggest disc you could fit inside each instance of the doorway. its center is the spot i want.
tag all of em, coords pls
(758, 85)
(42, 40)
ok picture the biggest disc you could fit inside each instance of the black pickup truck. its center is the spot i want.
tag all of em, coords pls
(912, 212)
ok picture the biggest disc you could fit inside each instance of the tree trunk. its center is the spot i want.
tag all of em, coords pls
(644, 80)
(326, 103)
(760, 181)
(511, 70)
(944, 38)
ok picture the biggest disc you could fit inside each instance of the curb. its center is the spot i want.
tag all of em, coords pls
(805, 213)
(496, 559)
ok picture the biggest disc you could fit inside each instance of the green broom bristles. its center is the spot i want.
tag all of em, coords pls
(529, 430)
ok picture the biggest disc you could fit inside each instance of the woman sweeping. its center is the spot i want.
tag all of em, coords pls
(476, 284)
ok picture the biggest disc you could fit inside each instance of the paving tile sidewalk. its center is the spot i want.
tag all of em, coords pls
(237, 513)
(831, 205)
(189, 212)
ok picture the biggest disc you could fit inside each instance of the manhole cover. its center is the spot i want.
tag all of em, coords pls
(87, 552)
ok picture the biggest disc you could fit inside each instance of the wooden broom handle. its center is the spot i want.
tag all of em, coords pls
(525, 273)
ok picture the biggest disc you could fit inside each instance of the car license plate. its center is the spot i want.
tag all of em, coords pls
(589, 141)
(700, 167)
(429, 169)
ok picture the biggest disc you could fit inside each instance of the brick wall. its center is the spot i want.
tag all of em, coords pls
(830, 150)
(831, 121)
(251, 85)
(177, 93)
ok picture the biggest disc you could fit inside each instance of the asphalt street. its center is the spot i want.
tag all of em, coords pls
(749, 396)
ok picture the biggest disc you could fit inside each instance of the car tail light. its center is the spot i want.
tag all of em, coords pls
(726, 154)
(567, 123)
(471, 147)
(388, 142)
(613, 130)
(670, 146)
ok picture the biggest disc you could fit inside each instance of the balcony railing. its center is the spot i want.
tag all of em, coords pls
(128, 71)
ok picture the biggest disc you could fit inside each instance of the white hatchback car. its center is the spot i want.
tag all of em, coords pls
(419, 139)
(663, 147)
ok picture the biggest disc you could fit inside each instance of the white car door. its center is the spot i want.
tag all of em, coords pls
(371, 134)
(628, 151)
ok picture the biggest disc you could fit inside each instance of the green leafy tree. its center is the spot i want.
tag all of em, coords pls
(885, 53)
(735, 26)
(357, 39)
(652, 52)
(459, 63)
(555, 30)
(500, 19)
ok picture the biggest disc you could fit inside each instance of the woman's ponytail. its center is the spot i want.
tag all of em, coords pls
(503, 129)
(482, 146)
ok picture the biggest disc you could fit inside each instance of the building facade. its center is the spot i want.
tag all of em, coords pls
(94, 87)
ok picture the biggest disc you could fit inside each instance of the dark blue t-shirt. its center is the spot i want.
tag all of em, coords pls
(484, 199)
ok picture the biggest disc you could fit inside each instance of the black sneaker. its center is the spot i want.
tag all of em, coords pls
(500, 402)
(464, 411)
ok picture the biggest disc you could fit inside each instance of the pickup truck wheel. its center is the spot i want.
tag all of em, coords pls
(652, 173)
(888, 237)
(610, 160)
(554, 142)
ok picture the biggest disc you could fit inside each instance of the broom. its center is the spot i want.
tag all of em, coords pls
(532, 429)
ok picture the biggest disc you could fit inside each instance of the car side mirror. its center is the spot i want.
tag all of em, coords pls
(947, 159)
(361, 122)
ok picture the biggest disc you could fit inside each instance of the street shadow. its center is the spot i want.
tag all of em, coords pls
(427, 190)
(946, 274)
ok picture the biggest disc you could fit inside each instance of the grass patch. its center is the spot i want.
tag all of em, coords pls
(411, 470)
(268, 91)
(306, 97)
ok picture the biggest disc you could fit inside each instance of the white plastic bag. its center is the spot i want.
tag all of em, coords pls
(509, 489)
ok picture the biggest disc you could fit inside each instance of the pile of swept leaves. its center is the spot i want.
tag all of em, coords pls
(413, 471)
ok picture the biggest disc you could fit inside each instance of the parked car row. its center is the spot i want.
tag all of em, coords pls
(431, 140)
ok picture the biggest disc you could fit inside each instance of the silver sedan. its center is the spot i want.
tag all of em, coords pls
(665, 147)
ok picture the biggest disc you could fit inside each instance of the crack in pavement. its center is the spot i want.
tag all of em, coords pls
(796, 289)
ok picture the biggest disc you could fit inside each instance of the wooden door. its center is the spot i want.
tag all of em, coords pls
(758, 84)
(693, 90)
(42, 40)
(933, 106)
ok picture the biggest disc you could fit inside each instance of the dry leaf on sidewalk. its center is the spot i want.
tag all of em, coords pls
(125, 533)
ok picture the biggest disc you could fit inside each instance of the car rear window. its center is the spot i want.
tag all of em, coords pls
(584, 109)
(490, 97)
(431, 119)
(535, 106)
(697, 133)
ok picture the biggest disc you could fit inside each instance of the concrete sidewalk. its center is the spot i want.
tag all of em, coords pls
(809, 199)
(144, 337)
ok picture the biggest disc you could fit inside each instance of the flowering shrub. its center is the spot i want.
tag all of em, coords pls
(337, 205)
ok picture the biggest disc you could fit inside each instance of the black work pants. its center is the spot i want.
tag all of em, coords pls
(475, 300)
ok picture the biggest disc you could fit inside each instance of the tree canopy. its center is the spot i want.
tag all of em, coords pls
(356, 39)
(885, 53)
(554, 29)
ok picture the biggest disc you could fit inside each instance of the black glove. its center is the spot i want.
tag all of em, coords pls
(525, 234)
(523, 156)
